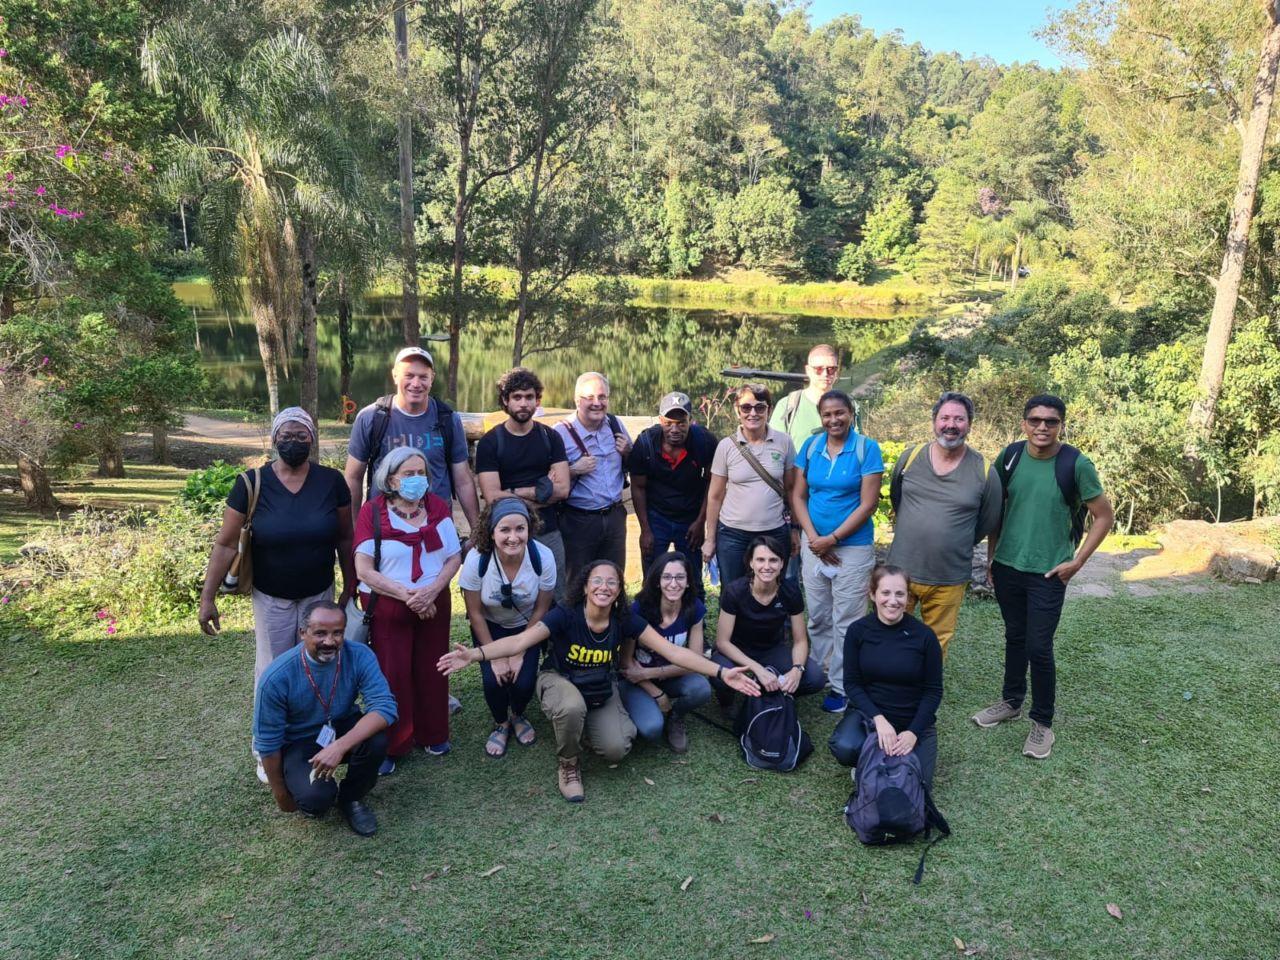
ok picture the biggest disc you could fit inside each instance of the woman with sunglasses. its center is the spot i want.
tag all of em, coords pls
(577, 688)
(752, 474)
(658, 694)
(508, 582)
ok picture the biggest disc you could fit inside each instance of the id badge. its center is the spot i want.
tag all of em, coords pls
(326, 735)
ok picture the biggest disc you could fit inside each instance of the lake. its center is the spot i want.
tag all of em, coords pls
(645, 351)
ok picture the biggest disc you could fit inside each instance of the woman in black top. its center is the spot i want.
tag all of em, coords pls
(578, 686)
(301, 524)
(754, 611)
(892, 677)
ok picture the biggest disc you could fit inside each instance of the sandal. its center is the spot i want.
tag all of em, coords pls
(496, 745)
(525, 734)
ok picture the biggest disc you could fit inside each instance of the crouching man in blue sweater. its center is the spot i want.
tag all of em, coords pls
(306, 722)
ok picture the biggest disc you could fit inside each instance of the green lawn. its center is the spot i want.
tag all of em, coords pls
(134, 826)
(146, 487)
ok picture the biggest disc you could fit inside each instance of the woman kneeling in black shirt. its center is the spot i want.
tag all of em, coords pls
(577, 686)
(892, 677)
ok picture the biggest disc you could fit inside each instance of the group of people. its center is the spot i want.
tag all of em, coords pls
(781, 509)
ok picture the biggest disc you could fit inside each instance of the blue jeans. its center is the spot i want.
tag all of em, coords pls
(673, 535)
(731, 549)
(507, 700)
(687, 693)
(854, 728)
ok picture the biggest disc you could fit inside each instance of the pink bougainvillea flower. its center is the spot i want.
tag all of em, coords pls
(44, 361)
(77, 426)
(102, 614)
(63, 150)
(23, 102)
(3, 52)
(128, 168)
(111, 629)
(41, 191)
(4, 599)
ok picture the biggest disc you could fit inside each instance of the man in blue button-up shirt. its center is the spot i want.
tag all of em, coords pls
(593, 521)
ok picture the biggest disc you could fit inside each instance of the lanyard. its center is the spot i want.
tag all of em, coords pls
(328, 705)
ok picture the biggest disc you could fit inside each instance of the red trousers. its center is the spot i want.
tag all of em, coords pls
(407, 648)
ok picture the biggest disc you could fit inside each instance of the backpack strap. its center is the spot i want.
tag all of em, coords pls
(758, 467)
(377, 564)
(793, 407)
(582, 447)
(933, 820)
(902, 466)
(377, 434)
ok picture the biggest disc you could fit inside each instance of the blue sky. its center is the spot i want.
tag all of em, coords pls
(1002, 29)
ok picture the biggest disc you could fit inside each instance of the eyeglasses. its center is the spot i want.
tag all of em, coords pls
(1044, 421)
(287, 437)
(603, 582)
(752, 407)
(600, 398)
(674, 578)
(828, 371)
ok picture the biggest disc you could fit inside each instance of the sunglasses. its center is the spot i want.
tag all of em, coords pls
(828, 371)
(507, 600)
(753, 407)
(1044, 421)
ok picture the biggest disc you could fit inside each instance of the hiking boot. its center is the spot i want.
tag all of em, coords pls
(996, 714)
(570, 780)
(1039, 742)
(677, 735)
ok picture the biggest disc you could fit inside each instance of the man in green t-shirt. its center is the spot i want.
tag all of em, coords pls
(1049, 486)
(797, 413)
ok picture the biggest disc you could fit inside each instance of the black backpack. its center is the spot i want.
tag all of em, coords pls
(1064, 471)
(382, 422)
(768, 729)
(891, 803)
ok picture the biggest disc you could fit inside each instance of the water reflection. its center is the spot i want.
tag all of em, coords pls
(645, 351)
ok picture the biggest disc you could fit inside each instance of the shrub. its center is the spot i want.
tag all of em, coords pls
(207, 490)
(132, 567)
(854, 265)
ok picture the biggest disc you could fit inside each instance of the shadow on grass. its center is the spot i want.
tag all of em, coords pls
(136, 828)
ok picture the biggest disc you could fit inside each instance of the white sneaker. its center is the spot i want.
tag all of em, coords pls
(455, 705)
(262, 773)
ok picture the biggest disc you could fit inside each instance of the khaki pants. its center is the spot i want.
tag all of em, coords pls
(833, 604)
(939, 608)
(609, 727)
(276, 622)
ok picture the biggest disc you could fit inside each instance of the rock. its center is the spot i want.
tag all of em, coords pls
(32, 550)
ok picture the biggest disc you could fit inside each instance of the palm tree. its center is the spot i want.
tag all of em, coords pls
(269, 159)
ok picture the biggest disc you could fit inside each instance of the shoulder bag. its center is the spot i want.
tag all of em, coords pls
(239, 577)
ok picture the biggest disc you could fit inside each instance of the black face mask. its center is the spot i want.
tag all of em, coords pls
(294, 452)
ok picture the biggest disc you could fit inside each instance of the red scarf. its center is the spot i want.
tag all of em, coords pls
(426, 538)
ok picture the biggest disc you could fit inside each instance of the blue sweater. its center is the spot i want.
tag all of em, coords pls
(288, 709)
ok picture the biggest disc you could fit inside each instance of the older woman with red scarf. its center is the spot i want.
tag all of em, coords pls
(411, 534)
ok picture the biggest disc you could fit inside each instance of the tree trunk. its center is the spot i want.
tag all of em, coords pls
(309, 389)
(408, 244)
(159, 443)
(182, 215)
(457, 313)
(1017, 262)
(110, 458)
(267, 350)
(7, 307)
(37, 492)
(1214, 364)
(344, 346)
(525, 259)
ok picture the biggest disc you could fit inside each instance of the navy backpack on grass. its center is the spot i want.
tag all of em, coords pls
(891, 803)
(768, 729)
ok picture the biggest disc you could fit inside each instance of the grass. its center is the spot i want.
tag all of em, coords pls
(146, 487)
(136, 829)
(751, 291)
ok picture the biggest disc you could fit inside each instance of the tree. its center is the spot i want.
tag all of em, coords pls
(264, 151)
(404, 142)
(1227, 291)
(476, 40)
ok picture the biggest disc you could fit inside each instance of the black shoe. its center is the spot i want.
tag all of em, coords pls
(360, 818)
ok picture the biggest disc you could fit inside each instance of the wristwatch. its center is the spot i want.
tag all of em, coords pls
(797, 666)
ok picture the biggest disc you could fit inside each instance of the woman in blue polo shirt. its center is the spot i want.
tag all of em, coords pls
(837, 487)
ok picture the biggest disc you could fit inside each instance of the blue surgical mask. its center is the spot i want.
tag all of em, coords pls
(414, 487)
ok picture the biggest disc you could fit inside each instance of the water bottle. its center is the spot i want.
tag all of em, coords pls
(713, 571)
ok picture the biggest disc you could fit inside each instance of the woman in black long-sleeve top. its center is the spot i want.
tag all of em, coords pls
(892, 677)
